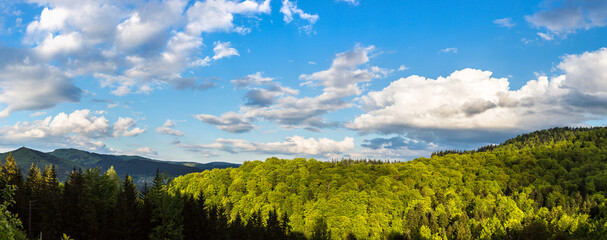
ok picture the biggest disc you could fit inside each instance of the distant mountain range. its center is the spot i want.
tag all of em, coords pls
(140, 168)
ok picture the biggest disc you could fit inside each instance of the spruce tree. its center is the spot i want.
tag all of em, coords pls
(76, 211)
(50, 204)
(320, 230)
(126, 210)
(33, 190)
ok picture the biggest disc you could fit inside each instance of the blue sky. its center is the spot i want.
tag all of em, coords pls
(222, 80)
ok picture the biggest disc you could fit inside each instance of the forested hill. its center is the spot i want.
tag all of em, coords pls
(549, 184)
(140, 168)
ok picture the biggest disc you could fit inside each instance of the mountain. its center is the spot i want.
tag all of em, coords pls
(140, 168)
(549, 184)
(25, 157)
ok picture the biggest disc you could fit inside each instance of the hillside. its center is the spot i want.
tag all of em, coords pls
(140, 168)
(25, 157)
(549, 184)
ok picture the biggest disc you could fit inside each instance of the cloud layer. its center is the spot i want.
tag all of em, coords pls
(80, 128)
(469, 101)
(295, 145)
(278, 104)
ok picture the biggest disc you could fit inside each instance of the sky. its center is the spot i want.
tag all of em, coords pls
(233, 81)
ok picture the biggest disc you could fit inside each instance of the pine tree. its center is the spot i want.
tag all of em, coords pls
(12, 175)
(50, 204)
(237, 228)
(126, 210)
(285, 227)
(166, 216)
(33, 191)
(254, 226)
(320, 230)
(77, 212)
(273, 229)
(11, 172)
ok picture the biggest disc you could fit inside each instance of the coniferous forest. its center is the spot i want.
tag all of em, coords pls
(549, 184)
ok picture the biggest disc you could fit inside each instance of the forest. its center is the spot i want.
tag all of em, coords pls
(549, 184)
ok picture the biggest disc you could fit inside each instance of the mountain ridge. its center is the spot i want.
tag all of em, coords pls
(142, 169)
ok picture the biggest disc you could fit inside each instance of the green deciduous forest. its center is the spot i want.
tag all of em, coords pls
(549, 184)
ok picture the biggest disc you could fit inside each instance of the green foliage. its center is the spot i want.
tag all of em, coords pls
(547, 185)
(550, 183)
(10, 225)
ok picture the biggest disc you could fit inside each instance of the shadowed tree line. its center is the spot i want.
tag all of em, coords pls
(99, 205)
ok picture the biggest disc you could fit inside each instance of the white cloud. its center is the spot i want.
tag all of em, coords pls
(167, 128)
(449, 50)
(587, 72)
(64, 43)
(223, 50)
(125, 127)
(474, 101)
(37, 114)
(134, 46)
(467, 99)
(262, 97)
(289, 9)
(341, 80)
(295, 145)
(504, 22)
(568, 16)
(34, 87)
(146, 151)
(218, 15)
(229, 122)
(80, 128)
(252, 79)
(402, 68)
(545, 36)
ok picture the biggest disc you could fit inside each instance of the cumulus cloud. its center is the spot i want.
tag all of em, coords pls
(167, 128)
(223, 50)
(135, 46)
(278, 104)
(80, 128)
(262, 97)
(568, 16)
(295, 145)
(504, 22)
(481, 105)
(289, 9)
(252, 79)
(218, 15)
(125, 127)
(229, 122)
(34, 87)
